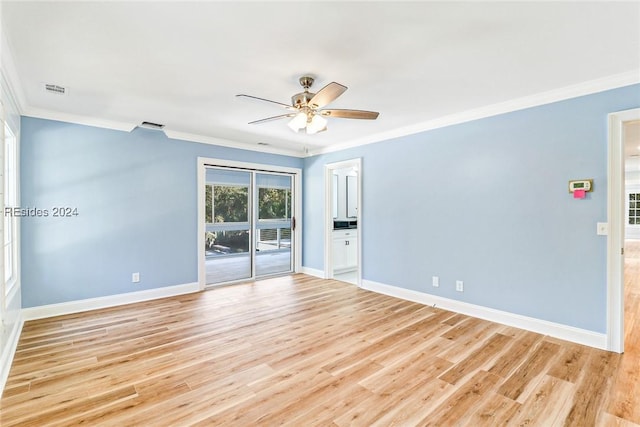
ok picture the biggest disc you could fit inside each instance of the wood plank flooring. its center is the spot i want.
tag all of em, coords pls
(302, 351)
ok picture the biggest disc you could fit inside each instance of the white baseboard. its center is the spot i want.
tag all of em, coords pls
(6, 359)
(70, 307)
(556, 330)
(313, 272)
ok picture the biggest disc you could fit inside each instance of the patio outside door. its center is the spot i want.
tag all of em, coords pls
(248, 230)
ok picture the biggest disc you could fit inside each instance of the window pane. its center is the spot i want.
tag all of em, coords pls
(8, 263)
(208, 204)
(10, 198)
(7, 228)
(273, 251)
(274, 203)
(226, 242)
(227, 256)
(230, 203)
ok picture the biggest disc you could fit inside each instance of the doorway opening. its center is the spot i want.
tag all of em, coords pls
(631, 137)
(343, 221)
(246, 221)
(621, 212)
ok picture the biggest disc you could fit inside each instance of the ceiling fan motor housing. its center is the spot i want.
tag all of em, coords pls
(301, 99)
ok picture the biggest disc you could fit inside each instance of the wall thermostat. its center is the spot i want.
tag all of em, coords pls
(585, 185)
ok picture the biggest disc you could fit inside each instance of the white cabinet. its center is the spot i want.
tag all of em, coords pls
(345, 250)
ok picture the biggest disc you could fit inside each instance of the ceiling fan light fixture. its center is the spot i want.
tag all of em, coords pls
(298, 122)
(317, 124)
(307, 109)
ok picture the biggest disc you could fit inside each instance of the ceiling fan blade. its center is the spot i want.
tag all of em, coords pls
(351, 114)
(268, 119)
(327, 94)
(287, 106)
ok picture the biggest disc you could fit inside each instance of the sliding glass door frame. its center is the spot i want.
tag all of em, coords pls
(296, 215)
(261, 225)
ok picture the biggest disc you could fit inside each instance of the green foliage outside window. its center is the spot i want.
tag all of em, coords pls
(274, 203)
(229, 204)
(225, 203)
(208, 212)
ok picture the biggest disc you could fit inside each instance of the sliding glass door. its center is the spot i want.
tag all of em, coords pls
(273, 226)
(228, 226)
(248, 224)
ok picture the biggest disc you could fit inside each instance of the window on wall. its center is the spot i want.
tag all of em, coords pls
(10, 200)
(634, 209)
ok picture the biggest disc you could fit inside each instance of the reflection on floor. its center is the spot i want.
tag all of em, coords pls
(223, 269)
(349, 277)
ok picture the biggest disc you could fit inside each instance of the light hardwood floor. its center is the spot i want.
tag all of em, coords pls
(302, 351)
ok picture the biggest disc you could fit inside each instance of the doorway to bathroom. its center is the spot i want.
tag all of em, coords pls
(343, 224)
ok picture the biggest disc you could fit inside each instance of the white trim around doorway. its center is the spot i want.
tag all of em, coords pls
(615, 235)
(328, 215)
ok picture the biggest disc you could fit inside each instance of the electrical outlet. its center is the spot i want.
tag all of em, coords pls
(435, 281)
(135, 277)
(459, 286)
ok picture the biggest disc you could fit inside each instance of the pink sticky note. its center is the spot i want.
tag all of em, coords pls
(579, 194)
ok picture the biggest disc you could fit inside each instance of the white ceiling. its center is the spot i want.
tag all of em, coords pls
(180, 64)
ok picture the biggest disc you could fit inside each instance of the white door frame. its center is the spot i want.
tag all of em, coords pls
(328, 215)
(297, 194)
(615, 237)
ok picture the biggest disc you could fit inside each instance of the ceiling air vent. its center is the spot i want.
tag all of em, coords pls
(58, 90)
(151, 125)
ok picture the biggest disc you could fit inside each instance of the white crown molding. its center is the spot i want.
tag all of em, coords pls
(70, 307)
(184, 136)
(568, 333)
(568, 92)
(40, 113)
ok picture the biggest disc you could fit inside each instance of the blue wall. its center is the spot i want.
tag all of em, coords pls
(135, 194)
(486, 202)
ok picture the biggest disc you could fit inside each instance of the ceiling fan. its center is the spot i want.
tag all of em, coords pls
(306, 110)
